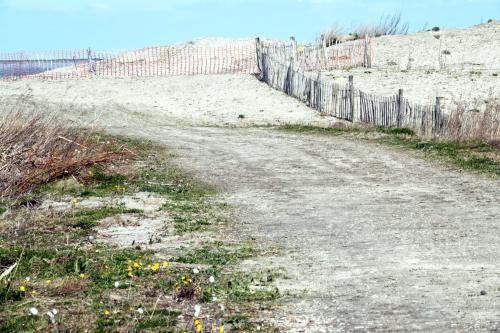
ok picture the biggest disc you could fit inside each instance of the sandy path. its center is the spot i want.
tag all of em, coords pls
(378, 239)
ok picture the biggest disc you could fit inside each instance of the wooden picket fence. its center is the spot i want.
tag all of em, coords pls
(346, 102)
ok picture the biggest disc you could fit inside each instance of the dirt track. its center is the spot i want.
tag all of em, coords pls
(378, 239)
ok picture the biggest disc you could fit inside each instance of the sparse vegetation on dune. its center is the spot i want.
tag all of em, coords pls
(387, 25)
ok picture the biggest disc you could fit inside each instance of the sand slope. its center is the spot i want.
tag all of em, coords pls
(469, 74)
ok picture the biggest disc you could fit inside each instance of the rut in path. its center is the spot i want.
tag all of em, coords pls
(380, 240)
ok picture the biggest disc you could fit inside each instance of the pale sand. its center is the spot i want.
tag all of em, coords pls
(471, 73)
(218, 100)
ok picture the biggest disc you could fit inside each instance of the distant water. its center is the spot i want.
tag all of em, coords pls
(9, 68)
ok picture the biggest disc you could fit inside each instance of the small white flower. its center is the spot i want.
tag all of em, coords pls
(196, 270)
(28, 279)
(34, 311)
(52, 317)
(140, 311)
(54, 311)
(117, 284)
(211, 279)
(197, 310)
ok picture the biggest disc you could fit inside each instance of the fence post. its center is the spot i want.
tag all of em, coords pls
(295, 55)
(400, 107)
(318, 92)
(367, 61)
(258, 53)
(351, 96)
(437, 114)
(323, 46)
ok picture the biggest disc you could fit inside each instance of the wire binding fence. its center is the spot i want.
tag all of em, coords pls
(344, 101)
(339, 55)
(153, 61)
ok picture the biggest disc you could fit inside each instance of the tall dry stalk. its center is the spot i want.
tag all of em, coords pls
(463, 125)
(37, 147)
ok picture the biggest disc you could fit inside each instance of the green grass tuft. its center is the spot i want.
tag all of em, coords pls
(396, 131)
(216, 254)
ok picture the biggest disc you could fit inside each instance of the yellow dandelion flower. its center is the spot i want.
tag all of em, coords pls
(130, 274)
(22, 289)
(221, 329)
(129, 261)
(197, 325)
(156, 266)
(129, 268)
(137, 264)
(82, 276)
(49, 281)
(106, 312)
(165, 264)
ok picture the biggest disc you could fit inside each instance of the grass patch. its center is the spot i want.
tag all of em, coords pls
(101, 288)
(216, 254)
(471, 155)
(462, 155)
(88, 219)
(396, 131)
(320, 130)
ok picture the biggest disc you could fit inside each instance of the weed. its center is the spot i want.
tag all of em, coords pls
(88, 219)
(314, 129)
(396, 131)
(216, 254)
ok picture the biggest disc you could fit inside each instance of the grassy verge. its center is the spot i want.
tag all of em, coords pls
(60, 279)
(469, 155)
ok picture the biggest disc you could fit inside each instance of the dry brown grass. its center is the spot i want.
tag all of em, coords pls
(464, 125)
(37, 147)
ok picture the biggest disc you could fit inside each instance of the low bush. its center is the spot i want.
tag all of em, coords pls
(37, 147)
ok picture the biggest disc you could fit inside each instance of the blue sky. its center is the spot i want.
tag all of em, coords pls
(122, 24)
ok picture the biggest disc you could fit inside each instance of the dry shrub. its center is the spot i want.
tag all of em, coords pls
(37, 147)
(463, 125)
(388, 25)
